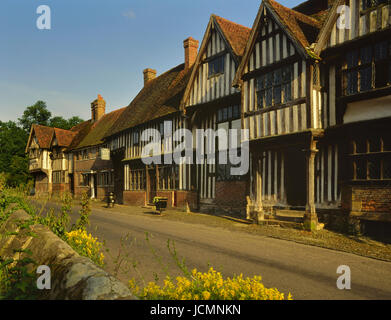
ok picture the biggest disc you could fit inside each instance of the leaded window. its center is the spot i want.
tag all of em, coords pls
(371, 158)
(216, 66)
(274, 88)
(367, 68)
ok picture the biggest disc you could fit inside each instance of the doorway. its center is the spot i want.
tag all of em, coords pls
(295, 178)
(151, 184)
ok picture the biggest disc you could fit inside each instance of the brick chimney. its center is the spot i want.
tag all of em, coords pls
(98, 108)
(191, 47)
(149, 74)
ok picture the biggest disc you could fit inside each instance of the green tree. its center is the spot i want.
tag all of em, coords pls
(60, 122)
(13, 160)
(74, 121)
(35, 114)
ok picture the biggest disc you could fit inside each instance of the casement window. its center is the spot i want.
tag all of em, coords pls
(216, 66)
(367, 68)
(137, 180)
(84, 180)
(228, 118)
(58, 177)
(366, 4)
(370, 158)
(274, 88)
(105, 178)
(168, 177)
(84, 154)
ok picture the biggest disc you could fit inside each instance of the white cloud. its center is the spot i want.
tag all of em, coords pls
(129, 14)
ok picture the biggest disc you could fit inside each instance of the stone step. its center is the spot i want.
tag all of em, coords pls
(289, 215)
(282, 223)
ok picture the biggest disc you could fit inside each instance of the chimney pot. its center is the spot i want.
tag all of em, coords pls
(149, 74)
(191, 48)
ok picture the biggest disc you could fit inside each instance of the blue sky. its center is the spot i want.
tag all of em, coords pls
(98, 46)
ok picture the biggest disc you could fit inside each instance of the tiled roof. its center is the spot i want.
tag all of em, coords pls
(64, 137)
(304, 28)
(91, 134)
(159, 97)
(43, 134)
(236, 34)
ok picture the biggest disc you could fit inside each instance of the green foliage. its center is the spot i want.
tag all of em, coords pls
(13, 160)
(17, 282)
(84, 212)
(60, 122)
(14, 137)
(35, 114)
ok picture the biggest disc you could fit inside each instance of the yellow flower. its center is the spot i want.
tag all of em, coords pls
(206, 295)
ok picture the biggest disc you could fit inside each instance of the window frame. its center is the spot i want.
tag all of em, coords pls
(266, 85)
(216, 66)
(359, 66)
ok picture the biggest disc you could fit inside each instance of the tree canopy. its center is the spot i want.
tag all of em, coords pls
(14, 136)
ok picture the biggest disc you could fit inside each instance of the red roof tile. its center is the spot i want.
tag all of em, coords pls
(43, 134)
(159, 97)
(304, 28)
(92, 134)
(64, 137)
(236, 34)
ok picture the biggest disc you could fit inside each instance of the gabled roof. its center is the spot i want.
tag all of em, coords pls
(159, 97)
(92, 134)
(304, 28)
(64, 137)
(236, 37)
(301, 29)
(236, 34)
(43, 135)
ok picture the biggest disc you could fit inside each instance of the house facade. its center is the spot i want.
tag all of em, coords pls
(153, 116)
(75, 160)
(211, 102)
(311, 84)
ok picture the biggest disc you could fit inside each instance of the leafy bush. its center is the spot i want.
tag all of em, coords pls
(86, 245)
(84, 212)
(208, 286)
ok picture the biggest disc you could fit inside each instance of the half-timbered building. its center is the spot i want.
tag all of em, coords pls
(281, 108)
(154, 112)
(211, 102)
(355, 49)
(75, 160)
(312, 85)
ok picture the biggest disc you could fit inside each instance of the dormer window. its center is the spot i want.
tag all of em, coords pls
(216, 66)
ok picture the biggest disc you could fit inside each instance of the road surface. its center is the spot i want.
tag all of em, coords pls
(307, 272)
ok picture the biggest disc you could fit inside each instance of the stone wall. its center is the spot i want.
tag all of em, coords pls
(72, 276)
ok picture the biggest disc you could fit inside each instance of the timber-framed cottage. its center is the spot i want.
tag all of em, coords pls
(311, 84)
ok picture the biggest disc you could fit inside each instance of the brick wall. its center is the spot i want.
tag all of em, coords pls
(184, 197)
(60, 187)
(367, 199)
(231, 193)
(134, 198)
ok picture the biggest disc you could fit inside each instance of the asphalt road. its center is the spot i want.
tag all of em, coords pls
(307, 272)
